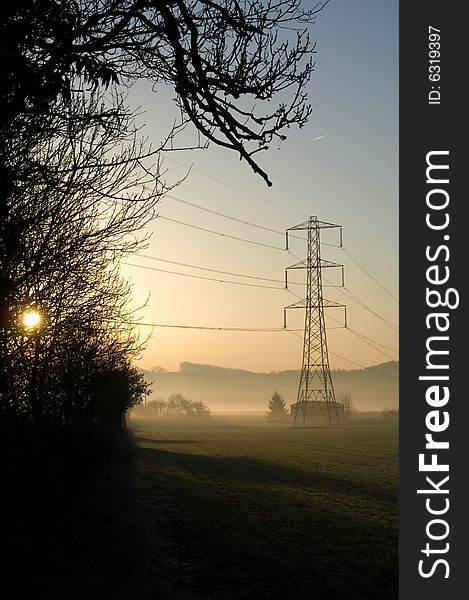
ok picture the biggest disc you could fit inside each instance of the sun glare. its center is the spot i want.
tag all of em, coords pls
(31, 319)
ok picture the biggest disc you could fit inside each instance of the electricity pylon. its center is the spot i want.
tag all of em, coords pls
(315, 389)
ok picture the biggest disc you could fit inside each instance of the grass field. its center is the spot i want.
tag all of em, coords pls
(228, 511)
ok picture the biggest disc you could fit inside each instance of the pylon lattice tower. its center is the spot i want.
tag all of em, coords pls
(315, 388)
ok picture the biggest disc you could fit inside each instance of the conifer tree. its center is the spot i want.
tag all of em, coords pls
(277, 408)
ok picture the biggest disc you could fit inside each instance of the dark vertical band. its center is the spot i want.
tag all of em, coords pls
(434, 354)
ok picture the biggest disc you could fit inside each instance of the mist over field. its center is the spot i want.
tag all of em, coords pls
(236, 390)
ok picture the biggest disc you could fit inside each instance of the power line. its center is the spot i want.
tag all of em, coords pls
(368, 272)
(373, 275)
(236, 219)
(230, 217)
(363, 337)
(349, 294)
(257, 285)
(208, 328)
(372, 340)
(354, 297)
(181, 264)
(363, 367)
(257, 329)
(238, 189)
(367, 341)
(345, 290)
(222, 234)
(351, 361)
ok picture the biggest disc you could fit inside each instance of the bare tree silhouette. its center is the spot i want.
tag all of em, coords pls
(347, 401)
(80, 201)
(227, 61)
(78, 185)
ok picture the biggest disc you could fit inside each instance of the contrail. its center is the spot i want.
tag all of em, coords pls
(319, 137)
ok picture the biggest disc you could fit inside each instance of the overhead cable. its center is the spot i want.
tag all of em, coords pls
(226, 235)
(238, 189)
(257, 285)
(211, 270)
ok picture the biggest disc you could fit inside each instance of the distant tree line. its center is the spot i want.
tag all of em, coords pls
(178, 406)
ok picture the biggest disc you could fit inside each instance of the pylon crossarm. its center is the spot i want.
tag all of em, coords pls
(300, 265)
(319, 225)
(331, 304)
(325, 264)
(299, 304)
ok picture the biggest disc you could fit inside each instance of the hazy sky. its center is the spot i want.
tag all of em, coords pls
(342, 167)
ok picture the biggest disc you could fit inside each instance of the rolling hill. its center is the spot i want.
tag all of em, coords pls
(236, 390)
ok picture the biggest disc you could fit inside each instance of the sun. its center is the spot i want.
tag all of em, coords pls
(31, 319)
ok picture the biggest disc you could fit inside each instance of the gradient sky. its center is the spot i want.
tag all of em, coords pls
(342, 167)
